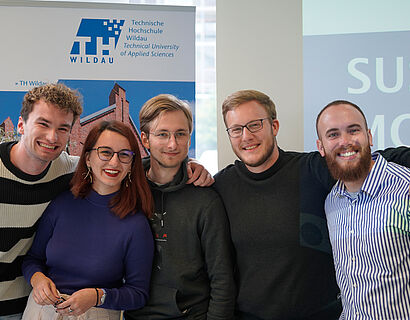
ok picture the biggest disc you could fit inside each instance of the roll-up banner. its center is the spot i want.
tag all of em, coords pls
(116, 55)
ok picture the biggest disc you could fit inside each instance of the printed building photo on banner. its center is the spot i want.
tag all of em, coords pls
(118, 109)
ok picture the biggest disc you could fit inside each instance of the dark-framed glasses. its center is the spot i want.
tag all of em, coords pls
(106, 154)
(181, 136)
(253, 126)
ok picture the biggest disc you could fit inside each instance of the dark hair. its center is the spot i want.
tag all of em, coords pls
(336, 103)
(133, 195)
(58, 94)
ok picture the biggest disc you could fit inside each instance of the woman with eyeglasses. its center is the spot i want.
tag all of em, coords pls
(92, 254)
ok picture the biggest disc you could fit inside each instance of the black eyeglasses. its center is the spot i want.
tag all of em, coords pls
(253, 126)
(106, 154)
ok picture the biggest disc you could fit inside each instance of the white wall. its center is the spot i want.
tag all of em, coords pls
(259, 46)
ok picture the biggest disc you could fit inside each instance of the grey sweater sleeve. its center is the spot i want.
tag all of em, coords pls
(218, 252)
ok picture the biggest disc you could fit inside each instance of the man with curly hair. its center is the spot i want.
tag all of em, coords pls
(32, 172)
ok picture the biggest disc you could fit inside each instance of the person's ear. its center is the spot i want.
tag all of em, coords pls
(369, 134)
(275, 126)
(320, 147)
(87, 159)
(20, 126)
(145, 140)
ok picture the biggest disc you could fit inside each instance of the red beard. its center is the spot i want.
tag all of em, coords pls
(352, 172)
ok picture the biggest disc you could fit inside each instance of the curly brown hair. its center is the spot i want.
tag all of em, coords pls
(58, 94)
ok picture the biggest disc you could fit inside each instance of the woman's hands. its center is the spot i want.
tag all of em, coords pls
(44, 290)
(79, 302)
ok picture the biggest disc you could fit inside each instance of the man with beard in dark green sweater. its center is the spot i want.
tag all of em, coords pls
(275, 205)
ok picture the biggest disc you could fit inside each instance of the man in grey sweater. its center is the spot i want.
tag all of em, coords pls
(192, 275)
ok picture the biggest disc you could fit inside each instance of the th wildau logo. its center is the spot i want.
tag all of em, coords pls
(96, 40)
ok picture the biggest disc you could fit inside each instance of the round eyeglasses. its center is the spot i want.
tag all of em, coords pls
(106, 154)
(252, 126)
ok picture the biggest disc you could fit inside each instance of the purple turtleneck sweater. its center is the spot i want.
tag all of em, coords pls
(80, 244)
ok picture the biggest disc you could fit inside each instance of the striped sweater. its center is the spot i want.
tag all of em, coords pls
(23, 198)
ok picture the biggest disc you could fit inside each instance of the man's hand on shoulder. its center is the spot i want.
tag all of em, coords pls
(198, 175)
